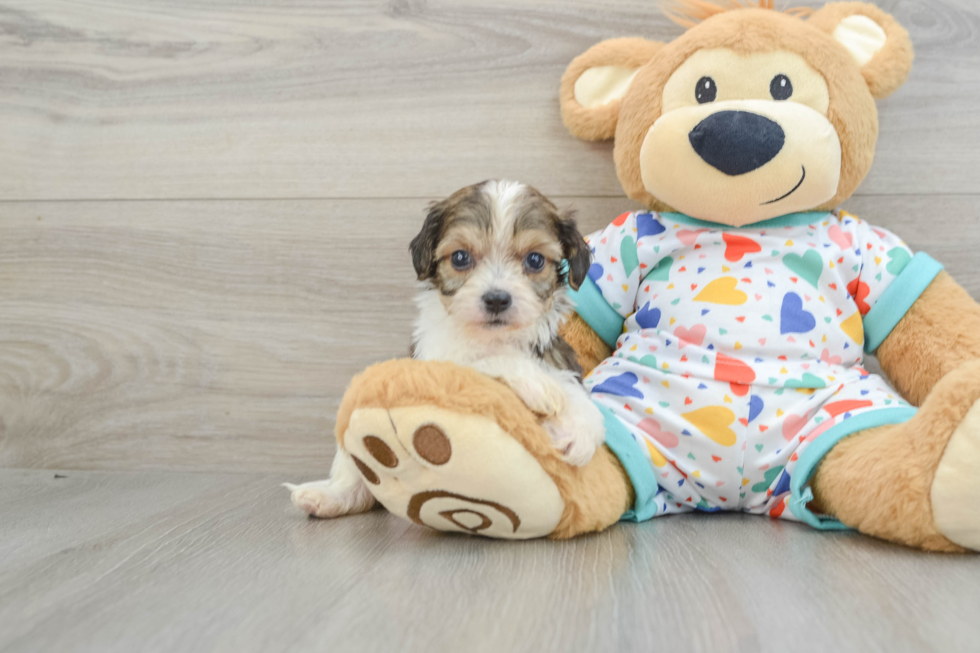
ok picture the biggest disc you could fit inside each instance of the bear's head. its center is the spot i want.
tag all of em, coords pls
(750, 115)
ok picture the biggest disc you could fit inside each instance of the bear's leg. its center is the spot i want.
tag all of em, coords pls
(916, 483)
(446, 447)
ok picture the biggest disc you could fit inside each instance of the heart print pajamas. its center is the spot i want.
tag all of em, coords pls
(739, 352)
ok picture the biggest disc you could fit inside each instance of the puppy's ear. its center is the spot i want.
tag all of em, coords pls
(574, 248)
(596, 81)
(424, 245)
(879, 45)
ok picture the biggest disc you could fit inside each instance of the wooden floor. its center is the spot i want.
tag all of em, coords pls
(164, 561)
(204, 216)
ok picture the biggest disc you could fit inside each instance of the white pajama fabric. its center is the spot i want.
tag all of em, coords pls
(739, 348)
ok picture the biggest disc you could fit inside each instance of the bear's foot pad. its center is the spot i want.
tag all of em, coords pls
(956, 487)
(452, 472)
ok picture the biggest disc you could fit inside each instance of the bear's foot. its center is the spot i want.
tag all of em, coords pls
(450, 448)
(956, 486)
(452, 472)
(915, 483)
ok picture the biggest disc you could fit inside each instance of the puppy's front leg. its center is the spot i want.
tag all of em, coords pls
(344, 493)
(579, 429)
(539, 391)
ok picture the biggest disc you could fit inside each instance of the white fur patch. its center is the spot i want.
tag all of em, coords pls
(862, 37)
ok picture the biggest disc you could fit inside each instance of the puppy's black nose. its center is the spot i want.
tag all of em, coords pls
(737, 142)
(496, 301)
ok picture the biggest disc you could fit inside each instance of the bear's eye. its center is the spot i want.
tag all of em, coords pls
(706, 90)
(781, 88)
(460, 260)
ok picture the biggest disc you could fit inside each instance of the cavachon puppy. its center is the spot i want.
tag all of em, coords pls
(493, 261)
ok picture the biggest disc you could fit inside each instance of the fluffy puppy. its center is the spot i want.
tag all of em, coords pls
(493, 261)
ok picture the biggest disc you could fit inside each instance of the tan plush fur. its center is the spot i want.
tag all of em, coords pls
(589, 348)
(890, 67)
(599, 123)
(596, 495)
(938, 334)
(879, 481)
(688, 13)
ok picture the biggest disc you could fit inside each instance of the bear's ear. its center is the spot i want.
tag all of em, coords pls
(596, 80)
(879, 45)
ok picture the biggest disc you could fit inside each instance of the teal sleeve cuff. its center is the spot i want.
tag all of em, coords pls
(806, 466)
(598, 314)
(898, 298)
(620, 441)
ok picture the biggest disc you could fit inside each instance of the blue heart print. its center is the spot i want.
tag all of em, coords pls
(755, 406)
(596, 272)
(783, 485)
(647, 225)
(792, 317)
(621, 386)
(648, 318)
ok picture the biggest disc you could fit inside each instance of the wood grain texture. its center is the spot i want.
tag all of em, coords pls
(399, 98)
(212, 335)
(211, 562)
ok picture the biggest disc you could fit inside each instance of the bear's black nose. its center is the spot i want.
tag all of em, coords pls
(737, 142)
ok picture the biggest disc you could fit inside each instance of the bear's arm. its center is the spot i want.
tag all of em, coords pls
(938, 334)
(589, 348)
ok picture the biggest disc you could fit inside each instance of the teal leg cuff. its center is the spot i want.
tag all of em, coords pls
(800, 493)
(621, 442)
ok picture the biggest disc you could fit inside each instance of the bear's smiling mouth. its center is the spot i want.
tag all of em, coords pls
(795, 188)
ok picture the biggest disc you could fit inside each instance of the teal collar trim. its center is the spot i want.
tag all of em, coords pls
(800, 492)
(621, 442)
(789, 220)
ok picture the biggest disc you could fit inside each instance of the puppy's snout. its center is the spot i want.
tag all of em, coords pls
(737, 142)
(496, 301)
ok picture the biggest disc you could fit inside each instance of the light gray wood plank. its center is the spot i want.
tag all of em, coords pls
(213, 335)
(201, 562)
(272, 99)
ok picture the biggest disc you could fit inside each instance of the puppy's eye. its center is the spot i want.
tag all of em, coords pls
(706, 90)
(780, 88)
(534, 262)
(460, 260)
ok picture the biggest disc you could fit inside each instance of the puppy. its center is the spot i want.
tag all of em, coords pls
(493, 261)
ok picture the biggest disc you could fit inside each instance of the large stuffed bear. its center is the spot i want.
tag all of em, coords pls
(724, 330)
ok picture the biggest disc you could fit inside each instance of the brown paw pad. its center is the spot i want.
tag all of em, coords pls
(466, 513)
(380, 451)
(366, 471)
(432, 444)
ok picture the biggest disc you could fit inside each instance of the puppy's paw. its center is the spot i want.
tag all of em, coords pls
(320, 499)
(542, 394)
(577, 432)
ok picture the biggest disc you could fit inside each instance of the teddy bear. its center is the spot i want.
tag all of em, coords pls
(723, 329)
